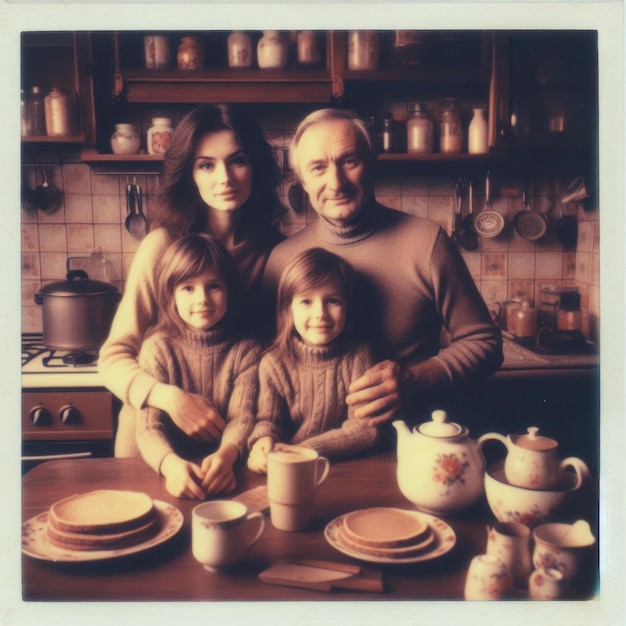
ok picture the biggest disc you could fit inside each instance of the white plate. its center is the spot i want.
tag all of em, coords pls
(35, 540)
(446, 539)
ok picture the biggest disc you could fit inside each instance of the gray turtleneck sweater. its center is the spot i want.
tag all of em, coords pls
(209, 364)
(412, 283)
(303, 401)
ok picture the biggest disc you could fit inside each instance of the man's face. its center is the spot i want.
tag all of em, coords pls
(332, 163)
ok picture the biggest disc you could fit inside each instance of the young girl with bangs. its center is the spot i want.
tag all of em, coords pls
(194, 347)
(305, 375)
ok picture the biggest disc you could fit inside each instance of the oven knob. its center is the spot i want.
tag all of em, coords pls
(40, 416)
(70, 415)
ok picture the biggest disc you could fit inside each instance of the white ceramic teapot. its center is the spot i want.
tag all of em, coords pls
(440, 469)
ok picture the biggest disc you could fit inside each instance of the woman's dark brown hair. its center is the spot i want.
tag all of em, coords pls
(181, 209)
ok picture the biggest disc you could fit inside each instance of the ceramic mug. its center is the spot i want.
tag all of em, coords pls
(510, 542)
(488, 578)
(222, 531)
(293, 476)
(545, 584)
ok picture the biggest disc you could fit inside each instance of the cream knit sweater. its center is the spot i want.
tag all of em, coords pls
(304, 402)
(209, 364)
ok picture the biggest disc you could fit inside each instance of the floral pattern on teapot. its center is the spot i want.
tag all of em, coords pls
(450, 469)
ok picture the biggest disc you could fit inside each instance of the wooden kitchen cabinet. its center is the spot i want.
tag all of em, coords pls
(60, 59)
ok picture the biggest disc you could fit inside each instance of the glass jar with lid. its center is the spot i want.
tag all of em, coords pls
(35, 111)
(450, 130)
(239, 49)
(419, 130)
(363, 50)
(190, 54)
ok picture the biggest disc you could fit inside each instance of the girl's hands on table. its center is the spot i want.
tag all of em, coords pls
(183, 479)
(217, 470)
(257, 459)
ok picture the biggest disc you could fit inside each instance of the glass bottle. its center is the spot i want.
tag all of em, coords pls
(477, 135)
(190, 54)
(239, 49)
(419, 130)
(25, 122)
(309, 52)
(125, 139)
(388, 136)
(159, 135)
(272, 50)
(450, 130)
(363, 50)
(59, 112)
(36, 111)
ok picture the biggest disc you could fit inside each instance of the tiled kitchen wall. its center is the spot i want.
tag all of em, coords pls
(94, 209)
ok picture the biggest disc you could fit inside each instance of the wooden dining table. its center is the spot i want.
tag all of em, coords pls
(170, 572)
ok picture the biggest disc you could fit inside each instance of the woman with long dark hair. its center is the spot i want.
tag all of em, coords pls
(219, 176)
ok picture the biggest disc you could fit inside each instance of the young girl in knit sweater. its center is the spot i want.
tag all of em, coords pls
(304, 377)
(194, 348)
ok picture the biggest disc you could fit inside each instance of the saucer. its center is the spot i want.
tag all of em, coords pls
(445, 540)
(35, 542)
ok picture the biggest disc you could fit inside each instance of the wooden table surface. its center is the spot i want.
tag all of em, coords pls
(170, 572)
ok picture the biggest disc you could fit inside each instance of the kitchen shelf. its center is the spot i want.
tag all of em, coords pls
(121, 162)
(54, 139)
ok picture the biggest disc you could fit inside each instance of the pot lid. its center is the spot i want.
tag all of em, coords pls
(78, 283)
(439, 427)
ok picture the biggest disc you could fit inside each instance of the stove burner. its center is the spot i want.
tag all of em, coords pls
(68, 359)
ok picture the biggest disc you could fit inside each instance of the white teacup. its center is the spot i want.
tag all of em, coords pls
(488, 578)
(293, 476)
(222, 531)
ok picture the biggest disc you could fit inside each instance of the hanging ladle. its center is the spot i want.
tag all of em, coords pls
(136, 223)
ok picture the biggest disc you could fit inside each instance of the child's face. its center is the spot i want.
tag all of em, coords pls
(201, 301)
(319, 314)
(222, 171)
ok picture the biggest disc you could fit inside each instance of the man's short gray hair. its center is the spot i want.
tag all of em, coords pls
(324, 115)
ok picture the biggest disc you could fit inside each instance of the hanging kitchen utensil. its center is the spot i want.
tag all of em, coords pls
(27, 195)
(566, 230)
(469, 238)
(296, 197)
(488, 223)
(530, 224)
(46, 197)
(136, 222)
(457, 218)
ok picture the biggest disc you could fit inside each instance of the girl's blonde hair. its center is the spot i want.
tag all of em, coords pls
(183, 260)
(308, 270)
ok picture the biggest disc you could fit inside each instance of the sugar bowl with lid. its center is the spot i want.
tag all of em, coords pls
(440, 468)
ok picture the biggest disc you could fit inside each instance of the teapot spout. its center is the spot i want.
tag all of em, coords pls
(402, 429)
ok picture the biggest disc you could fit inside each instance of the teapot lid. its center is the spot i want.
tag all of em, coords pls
(439, 427)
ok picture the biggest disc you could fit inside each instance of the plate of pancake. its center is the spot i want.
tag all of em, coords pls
(99, 525)
(390, 535)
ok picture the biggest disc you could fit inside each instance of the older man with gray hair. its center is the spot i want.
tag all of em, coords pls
(413, 281)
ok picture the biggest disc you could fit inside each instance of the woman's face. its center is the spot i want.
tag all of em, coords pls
(222, 171)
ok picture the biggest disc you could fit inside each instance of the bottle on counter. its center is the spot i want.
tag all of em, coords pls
(419, 130)
(272, 50)
(125, 139)
(363, 50)
(239, 49)
(157, 52)
(159, 135)
(190, 54)
(60, 113)
(450, 130)
(388, 142)
(35, 111)
(477, 134)
(309, 52)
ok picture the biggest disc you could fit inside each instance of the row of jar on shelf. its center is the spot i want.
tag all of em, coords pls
(54, 114)
(423, 132)
(275, 49)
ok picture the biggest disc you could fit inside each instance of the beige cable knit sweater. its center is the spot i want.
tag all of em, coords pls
(304, 402)
(212, 365)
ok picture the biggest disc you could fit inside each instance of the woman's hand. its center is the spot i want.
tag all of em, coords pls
(376, 392)
(182, 478)
(257, 460)
(217, 469)
(193, 414)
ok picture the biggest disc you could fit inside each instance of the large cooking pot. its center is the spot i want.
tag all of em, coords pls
(77, 312)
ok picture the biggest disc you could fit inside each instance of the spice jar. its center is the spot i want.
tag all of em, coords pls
(239, 49)
(35, 112)
(309, 52)
(388, 142)
(190, 54)
(159, 135)
(60, 112)
(125, 139)
(157, 52)
(419, 130)
(477, 140)
(450, 131)
(363, 50)
(272, 50)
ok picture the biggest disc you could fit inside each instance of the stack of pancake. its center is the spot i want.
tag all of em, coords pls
(102, 520)
(387, 533)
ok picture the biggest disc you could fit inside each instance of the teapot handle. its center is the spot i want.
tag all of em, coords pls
(496, 436)
(580, 467)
